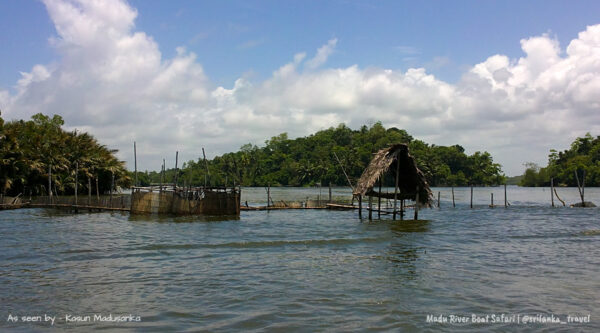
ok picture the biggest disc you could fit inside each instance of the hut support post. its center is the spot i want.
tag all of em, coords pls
(360, 206)
(552, 191)
(453, 203)
(396, 190)
(401, 210)
(370, 207)
(417, 204)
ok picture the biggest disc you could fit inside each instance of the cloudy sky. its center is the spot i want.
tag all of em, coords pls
(515, 78)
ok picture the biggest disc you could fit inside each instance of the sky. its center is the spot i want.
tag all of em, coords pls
(514, 78)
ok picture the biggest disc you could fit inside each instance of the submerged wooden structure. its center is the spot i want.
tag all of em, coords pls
(185, 200)
(410, 182)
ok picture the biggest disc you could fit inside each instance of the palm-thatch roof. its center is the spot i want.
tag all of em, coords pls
(409, 176)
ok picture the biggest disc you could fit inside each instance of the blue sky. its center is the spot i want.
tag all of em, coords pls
(251, 42)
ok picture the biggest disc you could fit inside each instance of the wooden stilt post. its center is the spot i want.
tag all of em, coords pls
(417, 204)
(49, 183)
(438, 199)
(360, 206)
(97, 192)
(453, 203)
(379, 199)
(207, 175)
(176, 172)
(505, 197)
(135, 163)
(269, 195)
(370, 207)
(396, 190)
(89, 191)
(492, 200)
(552, 191)
(112, 185)
(76, 180)
(471, 196)
(402, 210)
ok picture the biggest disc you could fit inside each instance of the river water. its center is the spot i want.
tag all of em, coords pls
(308, 270)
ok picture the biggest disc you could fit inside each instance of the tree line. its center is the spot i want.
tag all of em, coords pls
(31, 151)
(311, 160)
(583, 155)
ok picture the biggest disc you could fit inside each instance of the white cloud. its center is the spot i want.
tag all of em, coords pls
(114, 82)
(322, 54)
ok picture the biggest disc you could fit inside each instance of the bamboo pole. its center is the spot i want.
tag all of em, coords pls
(97, 192)
(76, 180)
(135, 162)
(360, 206)
(176, 173)
(50, 183)
(471, 196)
(344, 171)
(492, 200)
(552, 191)
(505, 197)
(453, 203)
(438, 199)
(396, 190)
(112, 185)
(579, 188)
(89, 191)
(207, 175)
(379, 199)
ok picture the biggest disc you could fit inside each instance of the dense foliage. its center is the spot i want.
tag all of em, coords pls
(31, 150)
(310, 160)
(584, 155)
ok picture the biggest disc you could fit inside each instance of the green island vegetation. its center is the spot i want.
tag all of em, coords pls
(29, 150)
(584, 154)
(308, 161)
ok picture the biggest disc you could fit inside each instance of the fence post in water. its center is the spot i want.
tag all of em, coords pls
(417, 204)
(176, 173)
(97, 192)
(89, 191)
(112, 185)
(269, 195)
(438, 199)
(552, 191)
(471, 196)
(453, 204)
(492, 200)
(396, 191)
(379, 199)
(401, 210)
(50, 183)
(505, 198)
(135, 163)
(76, 180)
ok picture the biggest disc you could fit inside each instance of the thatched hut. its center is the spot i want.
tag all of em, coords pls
(410, 182)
